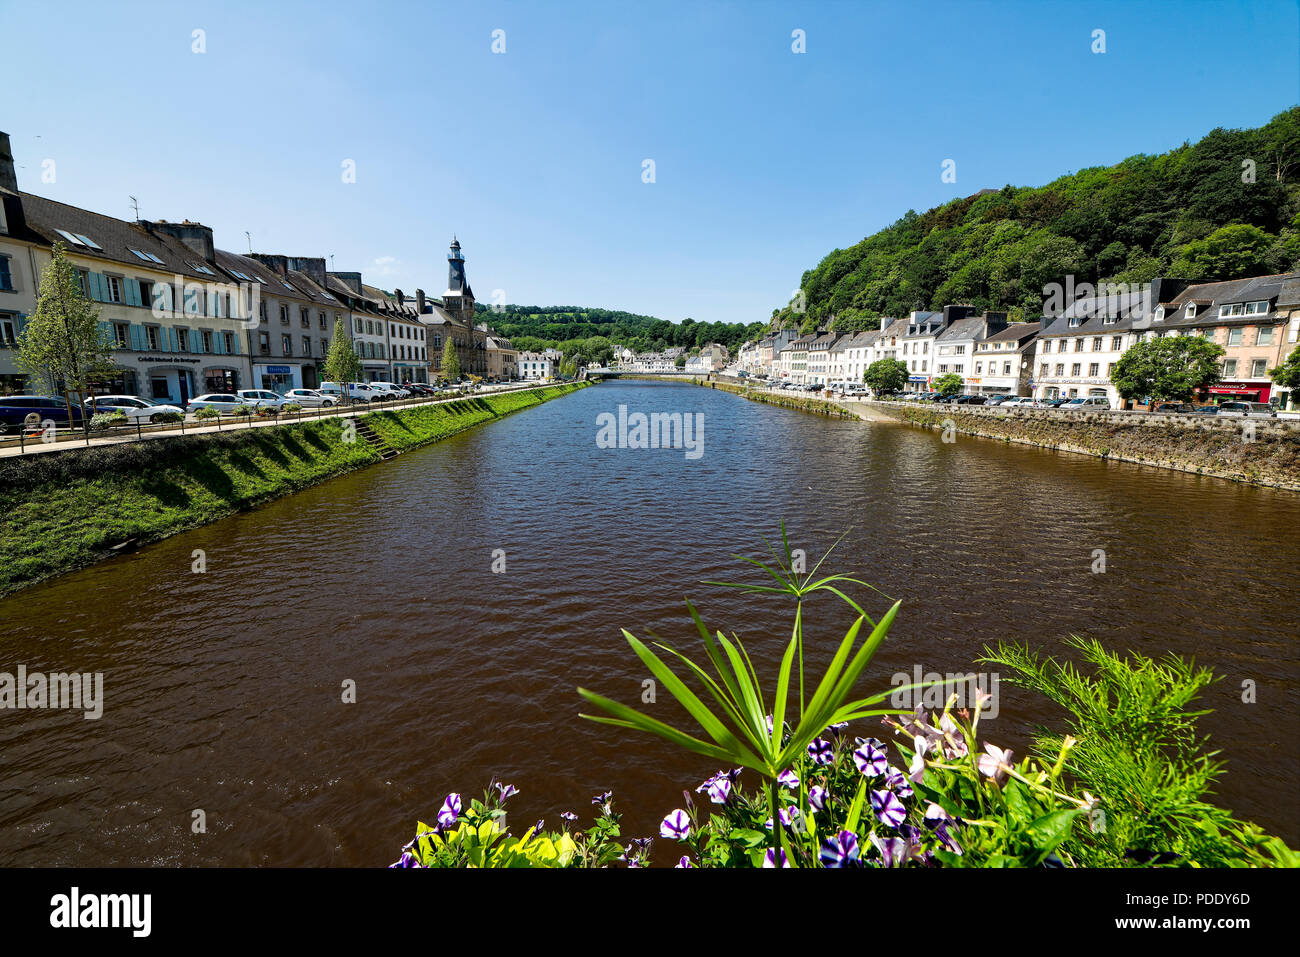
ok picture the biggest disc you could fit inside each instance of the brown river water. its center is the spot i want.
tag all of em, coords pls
(222, 690)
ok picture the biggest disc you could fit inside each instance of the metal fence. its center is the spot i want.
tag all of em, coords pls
(31, 441)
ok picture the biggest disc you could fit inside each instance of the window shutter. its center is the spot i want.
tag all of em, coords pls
(137, 339)
(173, 339)
(133, 292)
(234, 342)
(218, 344)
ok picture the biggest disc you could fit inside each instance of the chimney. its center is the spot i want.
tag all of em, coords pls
(994, 322)
(350, 279)
(401, 300)
(8, 175)
(277, 264)
(419, 302)
(196, 237)
(310, 266)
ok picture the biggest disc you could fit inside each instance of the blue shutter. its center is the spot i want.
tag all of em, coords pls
(174, 339)
(133, 292)
(234, 342)
(218, 343)
(96, 289)
(138, 342)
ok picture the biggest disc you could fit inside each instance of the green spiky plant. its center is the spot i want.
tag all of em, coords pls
(740, 733)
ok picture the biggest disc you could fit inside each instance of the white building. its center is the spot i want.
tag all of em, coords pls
(534, 365)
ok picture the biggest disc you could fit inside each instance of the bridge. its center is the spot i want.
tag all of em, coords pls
(604, 373)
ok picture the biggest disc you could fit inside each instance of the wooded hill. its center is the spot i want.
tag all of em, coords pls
(1224, 207)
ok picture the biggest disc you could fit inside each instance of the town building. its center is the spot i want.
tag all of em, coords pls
(954, 347)
(1078, 349)
(1004, 361)
(534, 366)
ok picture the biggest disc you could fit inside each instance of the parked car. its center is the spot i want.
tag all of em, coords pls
(1086, 403)
(1252, 409)
(386, 390)
(132, 406)
(311, 398)
(1207, 410)
(1168, 407)
(221, 401)
(417, 388)
(262, 398)
(971, 399)
(1057, 402)
(357, 391)
(31, 410)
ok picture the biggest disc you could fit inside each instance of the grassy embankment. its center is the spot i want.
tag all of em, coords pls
(64, 510)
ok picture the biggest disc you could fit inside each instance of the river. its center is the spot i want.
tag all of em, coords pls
(223, 690)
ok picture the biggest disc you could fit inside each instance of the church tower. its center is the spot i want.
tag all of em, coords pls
(458, 300)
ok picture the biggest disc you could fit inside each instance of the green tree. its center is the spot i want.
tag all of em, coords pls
(1227, 253)
(1171, 367)
(1287, 375)
(342, 365)
(450, 362)
(886, 375)
(63, 345)
(949, 384)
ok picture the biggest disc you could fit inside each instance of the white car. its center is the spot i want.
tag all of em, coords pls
(1083, 403)
(311, 399)
(262, 398)
(133, 407)
(221, 401)
(357, 391)
(385, 390)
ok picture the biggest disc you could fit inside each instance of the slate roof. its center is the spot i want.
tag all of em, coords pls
(41, 218)
(1018, 332)
(1230, 291)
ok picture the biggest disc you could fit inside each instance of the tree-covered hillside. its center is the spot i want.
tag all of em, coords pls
(1226, 206)
(593, 333)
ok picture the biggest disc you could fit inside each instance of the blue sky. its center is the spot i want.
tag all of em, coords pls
(765, 160)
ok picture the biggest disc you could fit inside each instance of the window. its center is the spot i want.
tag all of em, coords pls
(205, 340)
(356, 323)
(1043, 370)
(1074, 369)
(284, 314)
(324, 347)
(306, 346)
(979, 368)
(6, 276)
(114, 288)
(1229, 367)
(1160, 314)
(286, 345)
(182, 339)
(261, 310)
(1117, 343)
(1094, 369)
(1078, 345)
(322, 320)
(1191, 310)
(1110, 369)
(1006, 368)
(263, 344)
(1264, 337)
(229, 339)
(1234, 337)
(146, 294)
(304, 317)
(119, 334)
(1258, 368)
(1096, 344)
(1047, 346)
(1243, 309)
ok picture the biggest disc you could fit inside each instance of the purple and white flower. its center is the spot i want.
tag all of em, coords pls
(677, 825)
(888, 808)
(840, 850)
(817, 797)
(896, 781)
(994, 763)
(450, 810)
(769, 859)
(870, 758)
(788, 779)
(684, 862)
(506, 790)
(822, 751)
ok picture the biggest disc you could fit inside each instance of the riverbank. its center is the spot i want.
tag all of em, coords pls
(68, 509)
(1252, 451)
(801, 402)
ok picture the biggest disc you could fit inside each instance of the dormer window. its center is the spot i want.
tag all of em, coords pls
(1191, 310)
(1160, 313)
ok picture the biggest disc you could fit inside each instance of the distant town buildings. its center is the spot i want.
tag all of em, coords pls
(188, 317)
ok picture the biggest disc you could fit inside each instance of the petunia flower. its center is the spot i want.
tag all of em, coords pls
(450, 810)
(840, 850)
(870, 758)
(676, 825)
(788, 779)
(685, 862)
(769, 859)
(507, 790)
(817, 798)
(821, 751)
(888, 808)
(896, 781)
(406, 860)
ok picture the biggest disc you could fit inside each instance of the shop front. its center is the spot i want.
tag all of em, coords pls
(1241, 391)
(170, 380)
(375, 371)
(410, 372)
(279, 377)
(221, 379)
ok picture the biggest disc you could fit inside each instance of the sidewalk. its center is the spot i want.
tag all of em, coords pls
(75, 440)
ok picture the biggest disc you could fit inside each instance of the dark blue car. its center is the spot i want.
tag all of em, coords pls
(32, 410)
